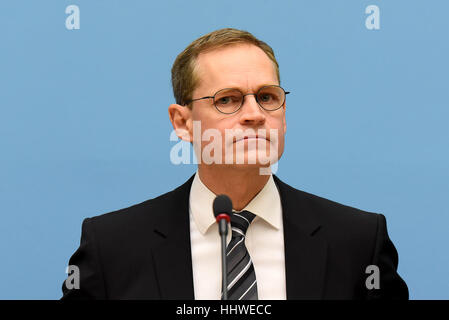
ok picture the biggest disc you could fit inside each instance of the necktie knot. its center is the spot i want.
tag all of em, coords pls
(240, 222)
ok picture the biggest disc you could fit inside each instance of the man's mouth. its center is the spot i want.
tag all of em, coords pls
(251, 137)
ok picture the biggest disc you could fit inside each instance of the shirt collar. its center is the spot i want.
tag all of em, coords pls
(265, 205)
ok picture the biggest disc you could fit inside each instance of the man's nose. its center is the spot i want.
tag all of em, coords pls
(251, 112)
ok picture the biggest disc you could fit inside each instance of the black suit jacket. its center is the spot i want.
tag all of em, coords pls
(143, 252)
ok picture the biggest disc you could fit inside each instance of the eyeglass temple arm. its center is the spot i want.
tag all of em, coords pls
(190, 101)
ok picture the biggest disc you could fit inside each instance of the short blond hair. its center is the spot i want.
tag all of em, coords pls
(183, 76)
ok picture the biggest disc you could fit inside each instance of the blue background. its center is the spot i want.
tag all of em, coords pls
(84, 126)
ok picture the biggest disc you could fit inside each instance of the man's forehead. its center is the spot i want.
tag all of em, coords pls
(234, 65)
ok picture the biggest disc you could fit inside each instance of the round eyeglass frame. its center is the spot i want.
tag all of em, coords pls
(243, 98)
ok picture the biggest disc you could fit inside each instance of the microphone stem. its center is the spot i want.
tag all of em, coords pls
(223, 228)
(224, 267)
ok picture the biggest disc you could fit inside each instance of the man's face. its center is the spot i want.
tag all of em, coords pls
(247, 68)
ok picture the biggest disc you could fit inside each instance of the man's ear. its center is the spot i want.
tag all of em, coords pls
(181, 119)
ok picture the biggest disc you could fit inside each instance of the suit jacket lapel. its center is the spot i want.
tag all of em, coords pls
(305, 248)
(172, 254)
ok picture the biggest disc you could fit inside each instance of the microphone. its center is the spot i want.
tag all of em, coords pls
(222, 211)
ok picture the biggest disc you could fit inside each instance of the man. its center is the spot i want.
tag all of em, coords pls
(285, 243)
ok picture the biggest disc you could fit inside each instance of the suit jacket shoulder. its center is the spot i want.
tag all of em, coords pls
(127, 253)
(349, 240)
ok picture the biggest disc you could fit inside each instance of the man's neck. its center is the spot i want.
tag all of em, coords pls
(241, 185)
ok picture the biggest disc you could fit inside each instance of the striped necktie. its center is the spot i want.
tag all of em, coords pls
(241, 277)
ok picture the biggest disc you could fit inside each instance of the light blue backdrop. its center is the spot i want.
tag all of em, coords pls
(84, 127)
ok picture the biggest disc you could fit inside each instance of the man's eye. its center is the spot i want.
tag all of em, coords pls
(265, 97)
(225, 100)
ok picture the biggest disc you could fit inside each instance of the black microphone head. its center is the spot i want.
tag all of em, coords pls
(222, 204)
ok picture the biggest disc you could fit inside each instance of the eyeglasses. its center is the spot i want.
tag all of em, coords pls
(230, 100)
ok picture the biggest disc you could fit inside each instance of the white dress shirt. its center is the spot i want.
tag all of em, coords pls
(264, 241)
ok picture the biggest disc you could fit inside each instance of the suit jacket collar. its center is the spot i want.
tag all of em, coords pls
(305, 248)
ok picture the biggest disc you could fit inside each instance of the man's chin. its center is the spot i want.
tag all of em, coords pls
(243, 165)
(249, 159)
